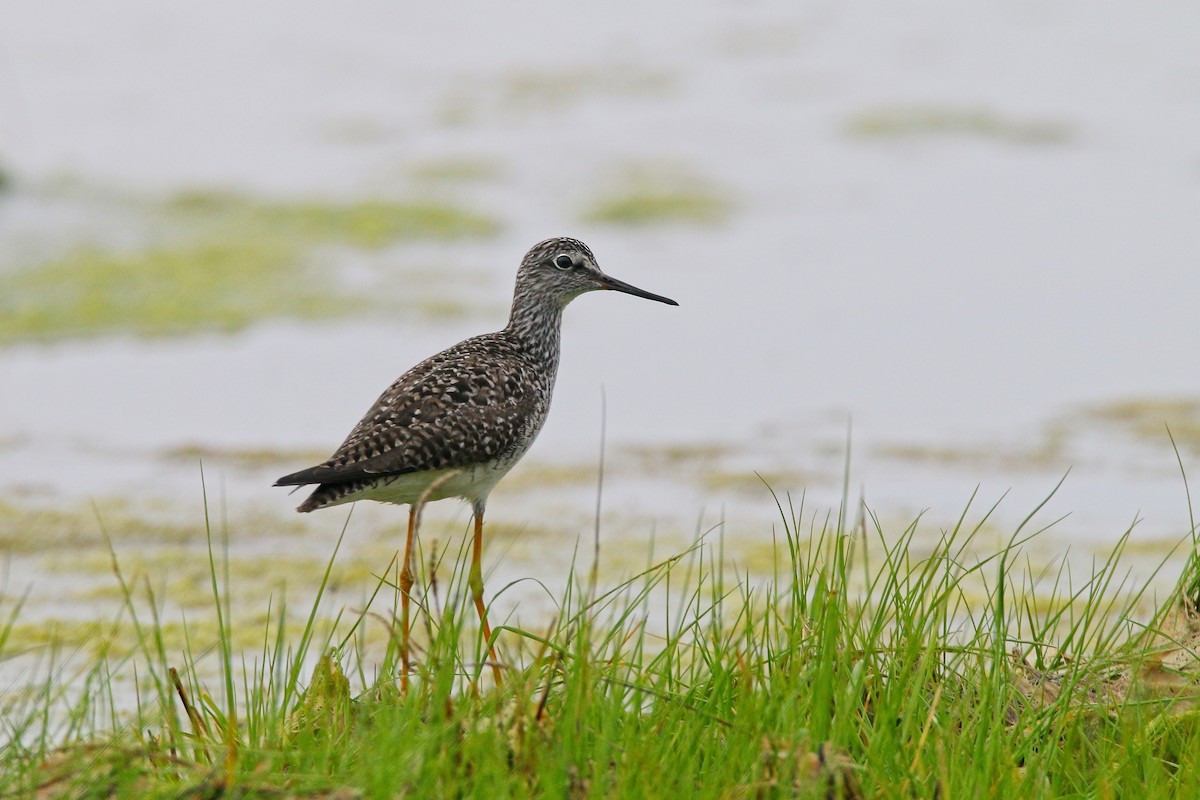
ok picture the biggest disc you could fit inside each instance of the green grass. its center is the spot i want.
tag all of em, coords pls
(854, 669)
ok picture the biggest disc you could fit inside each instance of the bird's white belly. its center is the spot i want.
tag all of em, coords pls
(472, 483)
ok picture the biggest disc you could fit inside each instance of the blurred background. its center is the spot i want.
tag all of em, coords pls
(953, 243)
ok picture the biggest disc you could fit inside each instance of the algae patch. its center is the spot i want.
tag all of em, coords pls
(916, 121)
(367, 223)
(654, 196)
(42, 529)
(1150, 419)
(245, 459)
(75, 567)
(522, 93)
(221, 262)
(1049, 451)
(162, 291)
(553, 89)
(457, 170)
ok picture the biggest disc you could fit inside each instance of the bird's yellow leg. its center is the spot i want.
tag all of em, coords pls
(476, 582)
(406, 584)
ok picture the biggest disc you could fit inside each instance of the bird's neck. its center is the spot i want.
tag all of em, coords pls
(536, 326)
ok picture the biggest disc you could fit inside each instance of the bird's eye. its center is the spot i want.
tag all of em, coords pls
(564, 262)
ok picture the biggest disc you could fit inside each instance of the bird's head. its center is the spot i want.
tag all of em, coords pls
(561, 269)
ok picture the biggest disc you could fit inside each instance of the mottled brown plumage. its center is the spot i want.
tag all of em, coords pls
(480, 402)
(475, 407)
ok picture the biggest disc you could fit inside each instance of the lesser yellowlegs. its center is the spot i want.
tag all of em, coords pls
(455, 424)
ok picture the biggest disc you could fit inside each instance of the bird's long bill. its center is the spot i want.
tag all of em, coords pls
(621, 286)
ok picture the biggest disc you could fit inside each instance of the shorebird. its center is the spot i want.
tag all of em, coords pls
(455, 424)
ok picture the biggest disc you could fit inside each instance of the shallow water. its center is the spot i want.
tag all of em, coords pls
(951, 231)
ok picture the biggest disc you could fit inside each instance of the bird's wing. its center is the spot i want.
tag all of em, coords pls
(452, 410)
